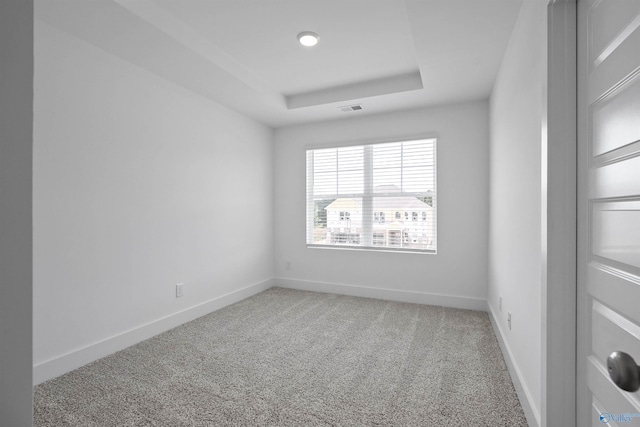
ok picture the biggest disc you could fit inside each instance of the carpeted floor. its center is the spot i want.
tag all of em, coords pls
(295, 358)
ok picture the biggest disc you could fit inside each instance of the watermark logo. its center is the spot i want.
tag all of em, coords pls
(606, 417)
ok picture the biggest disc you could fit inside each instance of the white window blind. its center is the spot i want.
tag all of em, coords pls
(376, 196)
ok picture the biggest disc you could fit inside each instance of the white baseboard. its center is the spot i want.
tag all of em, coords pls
(524, 395)
(468, 303)
(65, 363)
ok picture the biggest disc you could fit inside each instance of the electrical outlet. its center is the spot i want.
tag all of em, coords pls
(179, 290)
(500, 303)
(509, 320)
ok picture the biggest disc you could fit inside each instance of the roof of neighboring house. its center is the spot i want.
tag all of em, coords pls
(380, 204)
(345, 204)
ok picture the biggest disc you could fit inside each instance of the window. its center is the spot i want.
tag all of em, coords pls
(352, 189)
(378, 239)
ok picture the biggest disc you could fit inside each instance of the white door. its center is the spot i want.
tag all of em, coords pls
(608, 208)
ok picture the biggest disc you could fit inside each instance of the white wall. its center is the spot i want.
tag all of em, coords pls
(458, 271)
(16, 137)
(138, 185)
(515, 272)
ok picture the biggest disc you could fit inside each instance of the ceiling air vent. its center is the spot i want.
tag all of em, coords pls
(348, 108)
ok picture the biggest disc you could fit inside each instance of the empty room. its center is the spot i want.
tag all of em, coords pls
(333, 213)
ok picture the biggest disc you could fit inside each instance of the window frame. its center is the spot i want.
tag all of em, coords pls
(369, 194)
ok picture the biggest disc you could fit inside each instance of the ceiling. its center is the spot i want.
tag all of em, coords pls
(385, 55)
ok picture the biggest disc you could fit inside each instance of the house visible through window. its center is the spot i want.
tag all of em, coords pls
(356, 196)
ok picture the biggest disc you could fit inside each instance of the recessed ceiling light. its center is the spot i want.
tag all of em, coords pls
(308, 38)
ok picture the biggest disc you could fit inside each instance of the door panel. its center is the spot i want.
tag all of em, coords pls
(610, 329)
(619, 179)
(618, 61)
(605, 23)
(618, 284)
(607, 393)
(614, 118)
(596, 410)
(615, 233)
(608, 203)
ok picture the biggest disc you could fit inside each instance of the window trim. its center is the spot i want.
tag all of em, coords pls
(370, 246)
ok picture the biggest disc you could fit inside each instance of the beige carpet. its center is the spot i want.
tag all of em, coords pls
(294, 358)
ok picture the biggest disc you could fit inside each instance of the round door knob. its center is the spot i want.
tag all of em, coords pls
(623, 371)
